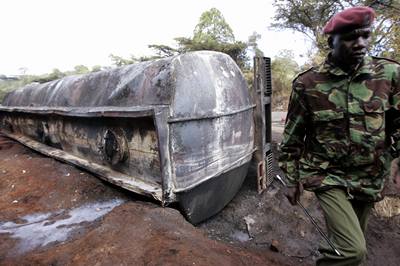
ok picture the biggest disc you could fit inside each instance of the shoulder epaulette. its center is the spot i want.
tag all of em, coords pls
(302, 73)
(387, 59)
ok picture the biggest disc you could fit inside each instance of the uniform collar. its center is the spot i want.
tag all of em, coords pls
(365, 67)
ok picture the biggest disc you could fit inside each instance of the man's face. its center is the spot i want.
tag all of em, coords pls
(351, 47)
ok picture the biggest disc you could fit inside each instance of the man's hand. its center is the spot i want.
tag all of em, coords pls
(293, 193)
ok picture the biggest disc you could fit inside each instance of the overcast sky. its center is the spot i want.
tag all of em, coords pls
(41, 35)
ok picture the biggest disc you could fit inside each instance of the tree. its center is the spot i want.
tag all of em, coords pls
(252, 43)
(81, 69)
(284, 69)
(310, 16)
(387, 37)
(55, 74)
(211, 33)
(120, 61)
(213, 27)
(163, 50)
(96, 68)
(236, 50)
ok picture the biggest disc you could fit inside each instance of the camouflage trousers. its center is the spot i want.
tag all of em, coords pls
(346, 221)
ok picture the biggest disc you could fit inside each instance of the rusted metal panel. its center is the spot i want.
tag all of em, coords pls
(262, 93)
(163, 131)
(161, 128)
(110, 111)
(117, 178)
(126, 145)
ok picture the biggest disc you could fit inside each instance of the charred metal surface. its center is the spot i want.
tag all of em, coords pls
(115, 146)
(163, 131)
(117, 178)
(125, 145)
(202, 149)
(209, 198)
(205, 149)
(262, 92)
(159, 128)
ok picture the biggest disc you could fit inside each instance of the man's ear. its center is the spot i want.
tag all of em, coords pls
(330, 42)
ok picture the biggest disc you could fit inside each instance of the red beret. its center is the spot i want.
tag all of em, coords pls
(350, 19)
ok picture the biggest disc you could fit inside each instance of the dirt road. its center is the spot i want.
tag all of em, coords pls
(53, 213)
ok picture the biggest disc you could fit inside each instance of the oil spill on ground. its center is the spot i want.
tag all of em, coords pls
(41, 229)
(240, 236)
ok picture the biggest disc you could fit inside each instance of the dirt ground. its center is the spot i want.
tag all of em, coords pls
(255, 221)
(53, 213)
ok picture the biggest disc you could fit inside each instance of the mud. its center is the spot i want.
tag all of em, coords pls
(53, 213)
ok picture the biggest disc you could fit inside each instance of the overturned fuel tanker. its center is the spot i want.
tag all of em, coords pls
(181, 129)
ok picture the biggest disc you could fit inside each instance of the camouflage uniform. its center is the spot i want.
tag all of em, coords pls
(339, 128)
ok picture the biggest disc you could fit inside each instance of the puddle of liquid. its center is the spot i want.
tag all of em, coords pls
(240, 236)
(40, 229)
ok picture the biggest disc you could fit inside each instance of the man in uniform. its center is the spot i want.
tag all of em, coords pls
(342, 126)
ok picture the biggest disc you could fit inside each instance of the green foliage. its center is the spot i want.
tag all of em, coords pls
(55, 74)
(236, 50)
(163, 50)
(307, 17)
(8, 84)
(81, 69)
(96, 68)
(284, 69)
(120, 61)
(211, 33)
(213, 27)
(388, 28)
(310, 16)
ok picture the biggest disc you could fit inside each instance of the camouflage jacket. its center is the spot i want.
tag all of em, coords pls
(340, 128)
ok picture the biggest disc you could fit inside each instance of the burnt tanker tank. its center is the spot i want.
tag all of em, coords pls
(180, 129)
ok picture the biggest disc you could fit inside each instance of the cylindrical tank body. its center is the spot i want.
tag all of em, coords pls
(189, 117)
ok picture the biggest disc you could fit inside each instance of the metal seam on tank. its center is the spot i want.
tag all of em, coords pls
(173, 68)
(218, 125)
(246, 157)
(170, 141)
